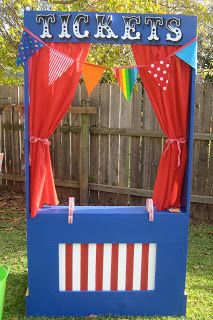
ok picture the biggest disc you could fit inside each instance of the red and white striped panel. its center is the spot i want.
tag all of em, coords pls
(106, 267)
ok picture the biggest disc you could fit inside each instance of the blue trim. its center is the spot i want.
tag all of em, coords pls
(26, 138)
(186, 194)
(107, 303)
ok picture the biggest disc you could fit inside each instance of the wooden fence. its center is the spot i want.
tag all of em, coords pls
(106, 150)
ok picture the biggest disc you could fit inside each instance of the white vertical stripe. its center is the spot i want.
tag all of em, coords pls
(137, 266)
(152, 266)
(122, 266)
(62, 263)
(76, 266)
(107, 266)
(91, 266)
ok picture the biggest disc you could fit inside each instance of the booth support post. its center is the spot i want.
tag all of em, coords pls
(190, 135)
(186, 195)
(26, 138)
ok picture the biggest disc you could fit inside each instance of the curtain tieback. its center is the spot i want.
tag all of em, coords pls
(170, 141)
(36, 139)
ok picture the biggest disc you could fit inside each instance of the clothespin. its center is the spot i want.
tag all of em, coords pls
(71, 209)
(150, 209)
(1, 161)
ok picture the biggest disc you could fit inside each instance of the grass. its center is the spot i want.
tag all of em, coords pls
(199, 284)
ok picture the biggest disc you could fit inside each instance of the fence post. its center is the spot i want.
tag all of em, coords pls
(84, 157)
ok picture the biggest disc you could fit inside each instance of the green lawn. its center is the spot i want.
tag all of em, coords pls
(13, 253)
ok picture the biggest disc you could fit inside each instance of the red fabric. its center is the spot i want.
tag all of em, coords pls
(171, 109)
(48, 104)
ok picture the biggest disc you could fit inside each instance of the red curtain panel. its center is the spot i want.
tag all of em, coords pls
(48, 104)
(167, 82)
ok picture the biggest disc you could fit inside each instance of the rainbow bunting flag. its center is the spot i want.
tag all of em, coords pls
(126, 78)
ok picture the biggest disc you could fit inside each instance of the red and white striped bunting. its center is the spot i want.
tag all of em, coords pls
(107, 267)
(58, 64)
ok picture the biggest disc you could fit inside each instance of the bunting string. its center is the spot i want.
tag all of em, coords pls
(126, 75)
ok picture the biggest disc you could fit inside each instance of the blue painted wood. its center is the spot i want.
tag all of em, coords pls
(117, 26)
(102, 225)
(108, 224)
(187, 186)
(105, 303)
(26, 138)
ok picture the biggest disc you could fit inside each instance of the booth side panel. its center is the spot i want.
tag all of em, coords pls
(167, 232)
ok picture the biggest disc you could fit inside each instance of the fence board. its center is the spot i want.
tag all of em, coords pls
(136, 146)
(125, 122)
(201, 164)
(114, 142)
(75, 144)
(104, 198)
(94, 145)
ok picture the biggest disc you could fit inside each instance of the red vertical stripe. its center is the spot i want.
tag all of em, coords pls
(114, 267)
(144, 265)
(129, 266)
(99, 266)
(84, 266)
(68, 267)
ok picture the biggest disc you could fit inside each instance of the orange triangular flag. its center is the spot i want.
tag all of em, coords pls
(92, 74)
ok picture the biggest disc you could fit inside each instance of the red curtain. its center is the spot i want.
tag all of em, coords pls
(48, 104)
(171, 109)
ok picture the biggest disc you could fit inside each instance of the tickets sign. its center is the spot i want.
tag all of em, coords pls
(96, 27)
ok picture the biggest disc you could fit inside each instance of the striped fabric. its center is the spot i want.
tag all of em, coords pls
(107, 267)
(58, 64)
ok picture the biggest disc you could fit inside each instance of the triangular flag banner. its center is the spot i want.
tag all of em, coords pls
(126, 78)
(58, 64)
(27, 47)
(189, 54)
(160, 72)
(92, 74)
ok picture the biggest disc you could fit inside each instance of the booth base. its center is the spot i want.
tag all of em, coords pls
(110, 303)
(111, 260)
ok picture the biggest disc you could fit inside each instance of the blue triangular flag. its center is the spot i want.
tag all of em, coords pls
(189, 54)
(27, 47)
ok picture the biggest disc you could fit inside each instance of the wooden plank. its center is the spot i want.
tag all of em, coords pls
(135, 151)
(16, 144)
(66, 153)
(125, 122)
(84, 159)
(86, 110)
(7, 164)
(75, 141)
(201, 150)
(9, 95)
(104, 141)
(16, 107)
(208, 212)
(94, 166)
(114, 141)
(198, 104)
(84, 149)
